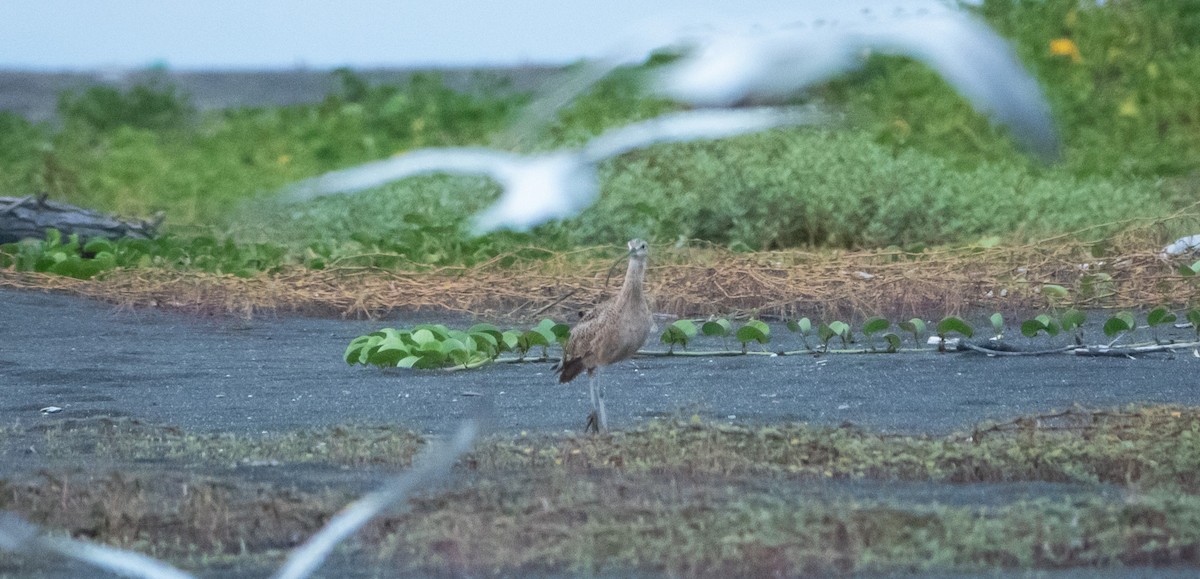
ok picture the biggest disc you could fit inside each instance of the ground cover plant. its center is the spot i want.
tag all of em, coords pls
(436, 346)
(680, 495)
(914, 167)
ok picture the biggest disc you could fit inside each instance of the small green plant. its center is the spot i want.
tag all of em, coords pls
(1072, 320)
(952, 324)
(680, 332)
(1055, 294)
(916, 327)
(802, 326)
(835, 328)
(1119, 324)
(1041, 323)
(997, 321)
(753, 331)
(1193, 317)
(427, 346)
(1189, 270)
(1157, 317)
(719, 328)
(544, 334)
(873, 326)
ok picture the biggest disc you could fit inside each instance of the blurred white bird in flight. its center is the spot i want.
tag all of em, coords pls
(541, 187)
(724, 68)
(773, 65)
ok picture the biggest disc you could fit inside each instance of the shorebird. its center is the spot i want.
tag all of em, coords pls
(771, 57)
(610, 333)
(541, 187)
(772, 64)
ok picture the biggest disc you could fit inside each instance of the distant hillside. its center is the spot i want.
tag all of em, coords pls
(35, 94)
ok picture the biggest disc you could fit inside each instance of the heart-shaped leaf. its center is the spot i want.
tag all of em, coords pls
(718, 328)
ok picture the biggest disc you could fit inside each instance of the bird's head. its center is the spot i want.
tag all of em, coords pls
(638, 248)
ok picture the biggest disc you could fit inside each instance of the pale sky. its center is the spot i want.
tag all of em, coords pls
(91, 34)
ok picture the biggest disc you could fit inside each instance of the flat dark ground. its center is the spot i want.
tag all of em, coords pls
(276, 374)
(271, 374)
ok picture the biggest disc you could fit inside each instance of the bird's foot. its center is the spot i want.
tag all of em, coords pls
(593, 423)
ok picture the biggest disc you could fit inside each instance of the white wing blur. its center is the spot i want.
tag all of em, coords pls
(697, 125)
(550, 186)
(724, 69)
(499, 165)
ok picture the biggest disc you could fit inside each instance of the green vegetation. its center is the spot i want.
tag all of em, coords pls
(435, 346)
(916, 166)
(428, 346)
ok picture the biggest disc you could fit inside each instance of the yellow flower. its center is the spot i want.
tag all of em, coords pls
(1065, 47)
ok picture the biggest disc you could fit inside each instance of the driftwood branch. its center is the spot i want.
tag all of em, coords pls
(1087, 351)
(31, 216)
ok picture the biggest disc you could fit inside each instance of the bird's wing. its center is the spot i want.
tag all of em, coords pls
(538, 189)
(978, 63)
(497, 164)
(694, 125)
(777, 62)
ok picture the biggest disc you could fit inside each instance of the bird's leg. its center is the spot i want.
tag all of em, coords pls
(603, 414)
(593, 420)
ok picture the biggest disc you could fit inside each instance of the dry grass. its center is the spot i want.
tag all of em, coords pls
(689, 281)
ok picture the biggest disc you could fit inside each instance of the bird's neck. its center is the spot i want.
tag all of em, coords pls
(632, 288)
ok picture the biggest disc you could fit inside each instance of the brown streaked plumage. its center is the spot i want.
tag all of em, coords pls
(612, 332)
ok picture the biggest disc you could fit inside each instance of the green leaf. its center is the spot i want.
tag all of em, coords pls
(533, 338)
(1054, 291)
(408, 361)
(372, 343)
(997, 322)
(388, 355)
(99, 244)
(1030, 328)
(679, 332)
(487, 329)
(915, 326)
(803, 325)
(354, 349)
(688, 327)
(1122, 322)
(511, 339)
(754, 331)
(438, 331)
(825, 333)
(424, 336)
(1159, 316)
(430, 360)
(1072, 319)
(562, 333)
(1193, 316)
(674, 336)
(718, 328)
(954, 324)
(486, 339)
(841, 329)
(450, 345)
(875, 325)
(893, 342)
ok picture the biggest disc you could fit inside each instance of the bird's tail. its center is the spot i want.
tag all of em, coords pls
(570, 369)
